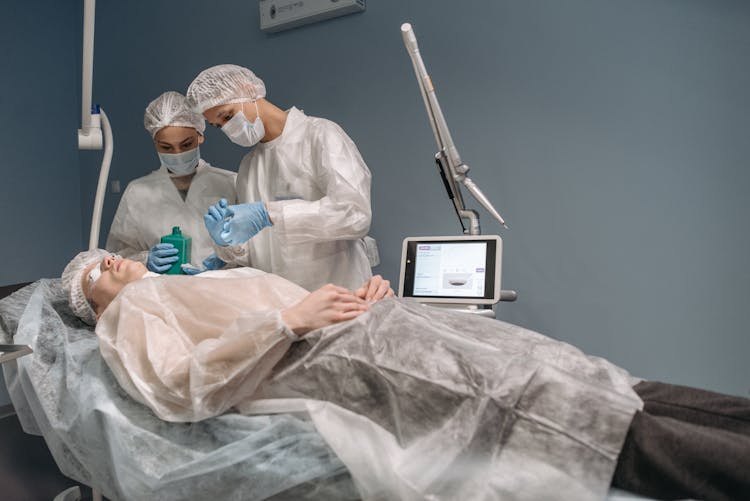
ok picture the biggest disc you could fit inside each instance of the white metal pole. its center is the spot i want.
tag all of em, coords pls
(89, 9)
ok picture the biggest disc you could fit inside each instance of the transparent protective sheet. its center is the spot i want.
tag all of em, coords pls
(411, 420)
(102, 438)
(424, 403)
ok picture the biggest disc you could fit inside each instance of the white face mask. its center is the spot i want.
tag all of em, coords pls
(240, 131)
(181, 164)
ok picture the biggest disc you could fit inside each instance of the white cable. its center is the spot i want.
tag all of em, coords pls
(101, 188)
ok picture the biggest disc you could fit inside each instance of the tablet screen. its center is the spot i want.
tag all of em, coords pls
(460, 269)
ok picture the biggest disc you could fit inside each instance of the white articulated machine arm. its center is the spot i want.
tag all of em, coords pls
(452, 170)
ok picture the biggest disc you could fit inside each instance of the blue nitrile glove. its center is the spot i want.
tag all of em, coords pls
(189, 269)
(161, 257)
(212, 262)
(247, 221)
(214, 220)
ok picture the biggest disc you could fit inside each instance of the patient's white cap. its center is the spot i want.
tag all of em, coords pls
(71, 282)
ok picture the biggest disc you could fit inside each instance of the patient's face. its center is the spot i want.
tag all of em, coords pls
(116, 273)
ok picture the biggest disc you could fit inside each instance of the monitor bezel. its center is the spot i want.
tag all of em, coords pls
(493, 265)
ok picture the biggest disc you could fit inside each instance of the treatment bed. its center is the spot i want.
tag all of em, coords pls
(100, 437)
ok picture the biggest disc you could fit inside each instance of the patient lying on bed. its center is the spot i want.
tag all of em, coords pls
(416, 401)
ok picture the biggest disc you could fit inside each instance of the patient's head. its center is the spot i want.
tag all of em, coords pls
(93, 278)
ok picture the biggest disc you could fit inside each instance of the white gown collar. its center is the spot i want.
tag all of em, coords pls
(294, 118)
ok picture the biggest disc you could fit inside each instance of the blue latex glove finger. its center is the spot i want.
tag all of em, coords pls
(248, 220)
(156, 262)
(214, 212)
(164, 250)
(213, 262)
(160, 269)
(159, 261)
(218, 213)
(190, 270)
(214, 227)
(219, 210)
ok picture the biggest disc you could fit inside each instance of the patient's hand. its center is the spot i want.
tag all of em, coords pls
(375, 289)
(328, 305)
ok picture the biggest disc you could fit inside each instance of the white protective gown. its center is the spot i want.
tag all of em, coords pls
(418, 402)
(317, 188)
(151, 206)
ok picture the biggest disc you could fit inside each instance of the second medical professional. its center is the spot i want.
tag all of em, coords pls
(177, 194)
(304, 190)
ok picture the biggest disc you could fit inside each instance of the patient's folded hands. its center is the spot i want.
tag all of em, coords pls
(375, 289)
(328, 305)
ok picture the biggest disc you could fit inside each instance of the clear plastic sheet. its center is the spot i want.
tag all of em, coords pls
(101, 437)
(424, 403)
(417, 403)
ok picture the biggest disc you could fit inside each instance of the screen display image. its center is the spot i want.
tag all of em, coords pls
(452, 269)
(455, 269)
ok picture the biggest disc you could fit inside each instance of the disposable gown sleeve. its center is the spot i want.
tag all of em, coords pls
(123, 237)
(185, 355)
(344, 212)
(238, 255)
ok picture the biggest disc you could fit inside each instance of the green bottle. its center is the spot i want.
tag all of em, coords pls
(183, 244)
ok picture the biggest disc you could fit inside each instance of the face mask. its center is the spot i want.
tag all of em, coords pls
(181, 164)
(240, 131)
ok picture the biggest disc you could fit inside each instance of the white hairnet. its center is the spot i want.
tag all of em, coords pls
(171, 109)
(71, 282)
(224, 84)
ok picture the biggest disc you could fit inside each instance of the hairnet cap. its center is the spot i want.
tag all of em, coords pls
(224, 84)
(171, 109)
(71, 282)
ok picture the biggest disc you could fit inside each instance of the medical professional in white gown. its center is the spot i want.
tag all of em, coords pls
(304, 190)
(177, 194)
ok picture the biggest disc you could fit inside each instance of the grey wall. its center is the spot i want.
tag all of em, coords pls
(612, 136)
(40, 201)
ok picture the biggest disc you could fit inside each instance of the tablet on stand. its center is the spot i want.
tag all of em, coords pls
(457, 272)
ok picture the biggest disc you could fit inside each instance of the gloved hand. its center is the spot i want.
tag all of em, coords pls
(161, 257)
(245, 222)
(212, 262)
(189, 269)
(214, 220)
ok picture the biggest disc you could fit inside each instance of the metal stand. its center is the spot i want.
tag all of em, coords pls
(74, 494)
(483, 310)
(452, 170)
